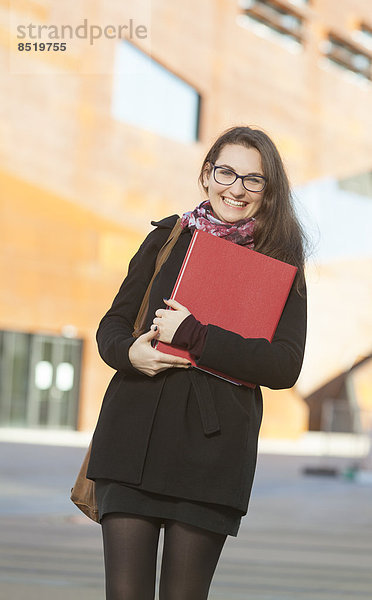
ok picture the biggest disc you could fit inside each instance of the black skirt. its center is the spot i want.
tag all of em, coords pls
(113, 496)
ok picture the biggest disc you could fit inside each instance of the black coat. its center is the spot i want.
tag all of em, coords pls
(183, 432)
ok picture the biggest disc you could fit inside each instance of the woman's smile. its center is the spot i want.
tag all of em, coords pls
(234, 203)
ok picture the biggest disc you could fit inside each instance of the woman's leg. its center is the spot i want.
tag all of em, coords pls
(130, 546)
(190, 557)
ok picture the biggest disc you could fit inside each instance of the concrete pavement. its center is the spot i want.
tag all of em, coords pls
(303, 538)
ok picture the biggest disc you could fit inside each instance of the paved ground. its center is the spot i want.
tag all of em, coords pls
(303, 538)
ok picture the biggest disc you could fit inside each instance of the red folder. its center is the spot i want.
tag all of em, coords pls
(231, 286)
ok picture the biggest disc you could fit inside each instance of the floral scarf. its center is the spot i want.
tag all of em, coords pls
(202, 218)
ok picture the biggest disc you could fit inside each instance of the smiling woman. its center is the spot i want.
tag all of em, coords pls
(175, 447)
(228, 194)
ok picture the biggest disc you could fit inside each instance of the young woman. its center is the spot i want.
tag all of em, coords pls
(175, 447)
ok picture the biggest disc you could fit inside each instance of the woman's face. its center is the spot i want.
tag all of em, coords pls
(233, 202)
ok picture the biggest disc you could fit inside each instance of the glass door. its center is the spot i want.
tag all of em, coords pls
(40, 377)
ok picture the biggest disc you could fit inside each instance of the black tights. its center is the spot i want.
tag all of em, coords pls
(130, 542)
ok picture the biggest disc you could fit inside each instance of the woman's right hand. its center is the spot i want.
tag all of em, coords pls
(150, 361)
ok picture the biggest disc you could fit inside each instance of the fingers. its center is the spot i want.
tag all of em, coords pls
(173, 304)
(174, 366)
(164, 366)
(151, 334)
(173, 361)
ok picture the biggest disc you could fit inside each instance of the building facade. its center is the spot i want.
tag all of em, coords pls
(101, 137)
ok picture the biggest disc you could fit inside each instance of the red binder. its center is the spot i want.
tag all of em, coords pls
(231, 286)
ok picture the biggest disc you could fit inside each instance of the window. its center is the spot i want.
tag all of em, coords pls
(348, 56)
(364, 36)
(299, 2)
(149, 96)
(278, 17)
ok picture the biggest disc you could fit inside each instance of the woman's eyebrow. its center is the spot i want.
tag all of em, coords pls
(232, 168)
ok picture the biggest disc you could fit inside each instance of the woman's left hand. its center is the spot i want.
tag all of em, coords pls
(168, 321)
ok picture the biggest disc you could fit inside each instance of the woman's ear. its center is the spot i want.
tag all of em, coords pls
(206, 174)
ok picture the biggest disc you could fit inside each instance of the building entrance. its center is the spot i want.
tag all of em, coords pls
(39, 380)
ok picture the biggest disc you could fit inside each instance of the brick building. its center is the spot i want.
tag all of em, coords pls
(98, 139)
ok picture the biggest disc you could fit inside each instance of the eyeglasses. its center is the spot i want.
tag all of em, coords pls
(226, 176)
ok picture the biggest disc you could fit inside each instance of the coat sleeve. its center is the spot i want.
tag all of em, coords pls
(276, 365)
(114, 333)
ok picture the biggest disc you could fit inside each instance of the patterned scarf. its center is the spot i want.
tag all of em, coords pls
(202, 218)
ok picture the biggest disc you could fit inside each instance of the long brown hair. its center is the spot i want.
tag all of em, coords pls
(278, 232)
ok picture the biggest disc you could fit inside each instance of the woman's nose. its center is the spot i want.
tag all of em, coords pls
(237, 188)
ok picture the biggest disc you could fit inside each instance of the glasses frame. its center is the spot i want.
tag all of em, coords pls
(242, 177)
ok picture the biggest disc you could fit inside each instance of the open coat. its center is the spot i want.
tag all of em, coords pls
(184, 432)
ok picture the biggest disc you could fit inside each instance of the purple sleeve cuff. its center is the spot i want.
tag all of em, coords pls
(190, 335)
